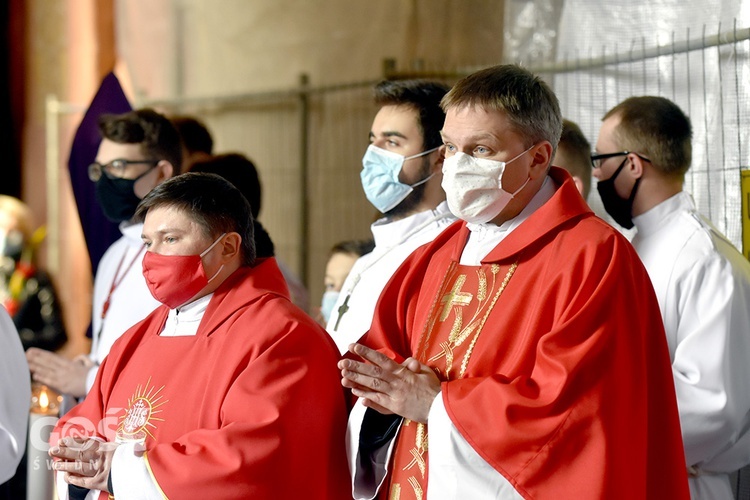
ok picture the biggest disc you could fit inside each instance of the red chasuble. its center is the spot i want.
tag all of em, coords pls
(552, 356)
(250, 407)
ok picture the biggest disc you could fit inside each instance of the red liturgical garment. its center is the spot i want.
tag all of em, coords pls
(249, 407)
(559, 377)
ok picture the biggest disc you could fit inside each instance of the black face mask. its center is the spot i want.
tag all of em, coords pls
(620, 209)
(117, 198)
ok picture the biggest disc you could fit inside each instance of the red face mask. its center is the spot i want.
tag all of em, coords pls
(175, 279)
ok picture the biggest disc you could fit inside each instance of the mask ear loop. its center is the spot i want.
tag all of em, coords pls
(423, 153)
(521, 188)
(520, 154)
(212, 245)
(422, 181)
(513, 195)
(208, 250)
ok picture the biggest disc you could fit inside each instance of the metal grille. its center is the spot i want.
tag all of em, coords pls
(703, 73)
(307, 142)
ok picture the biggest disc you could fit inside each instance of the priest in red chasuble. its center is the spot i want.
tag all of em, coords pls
(226, 391)
(516, 355)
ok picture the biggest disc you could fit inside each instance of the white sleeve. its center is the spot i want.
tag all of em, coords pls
(457, 471)
(15, 398)
(710, 366)
(91, 376)
(62, 488)
(366, 481)
(131, 477)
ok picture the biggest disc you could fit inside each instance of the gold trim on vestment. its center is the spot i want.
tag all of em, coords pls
(454, 300)
(153, 478)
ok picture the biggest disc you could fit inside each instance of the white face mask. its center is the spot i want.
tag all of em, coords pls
(473, 187)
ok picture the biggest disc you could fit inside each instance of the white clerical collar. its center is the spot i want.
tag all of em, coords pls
(485, 237)
(388, 233)
(184, 320)
(653, 219)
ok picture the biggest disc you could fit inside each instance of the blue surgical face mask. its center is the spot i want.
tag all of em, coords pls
(380, 177)
(329, 300)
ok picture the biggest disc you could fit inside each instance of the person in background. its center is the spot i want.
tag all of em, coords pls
(240, 171)
(574, 155)
(197, 140)
(401, 177)
(520, 353)
(26, 291)
(15, 398)
(702, 282)
(28, 295)
(341, 259)
(227, 390)
(139, 150)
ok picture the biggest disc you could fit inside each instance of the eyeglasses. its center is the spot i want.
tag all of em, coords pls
(116, 168)
(597, 159)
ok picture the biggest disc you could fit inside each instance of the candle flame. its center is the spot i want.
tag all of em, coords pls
(43, 400)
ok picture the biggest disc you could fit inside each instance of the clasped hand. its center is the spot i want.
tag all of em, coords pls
(407, 389)
(86, 462)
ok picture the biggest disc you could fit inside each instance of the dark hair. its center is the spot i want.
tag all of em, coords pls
(578, 148)
(211, 201)
(656, 128)
(526, 100)
(353, 247)
(421, 95)
(153, 131)
(194, 133)
(240, 171)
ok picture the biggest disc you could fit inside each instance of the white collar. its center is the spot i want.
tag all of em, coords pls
(186, 319)
(655, 218)
(388, 233)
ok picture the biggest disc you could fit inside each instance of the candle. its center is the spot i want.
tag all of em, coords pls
(43, 416)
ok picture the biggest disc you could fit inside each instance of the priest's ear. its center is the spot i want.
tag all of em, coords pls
(230, 247)
(437, 160)
(541, 157)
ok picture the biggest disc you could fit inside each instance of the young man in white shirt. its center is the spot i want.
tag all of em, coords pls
(401, 176)
(702, 282)
(139, 150)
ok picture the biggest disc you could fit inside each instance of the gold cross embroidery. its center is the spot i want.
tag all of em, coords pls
(455, 297)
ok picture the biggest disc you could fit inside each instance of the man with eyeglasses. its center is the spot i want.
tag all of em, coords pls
(504, 360)
(702, 282)
(139, 150)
